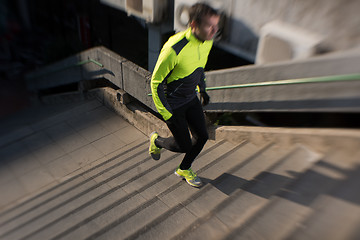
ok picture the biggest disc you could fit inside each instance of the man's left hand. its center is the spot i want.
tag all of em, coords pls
(204, 98)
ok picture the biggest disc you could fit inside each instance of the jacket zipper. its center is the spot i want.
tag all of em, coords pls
(175, 89)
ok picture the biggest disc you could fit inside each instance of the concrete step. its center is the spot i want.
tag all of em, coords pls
(306, 197)
(336, 207)
(135, 208)
(277, 217)
(188, 205)
(252, 189)
(67, 186)
(71, 194)
(253, 185)
(177, 200)
(39, 117)
(330, 213)
(87, 108)
(99, 183)
(114, 180)
(62, 149)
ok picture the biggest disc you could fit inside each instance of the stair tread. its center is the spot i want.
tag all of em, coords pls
(126, 175)
(91, 195)
(60, 193)
(30, 201)
(116, 214)
(337, 206)
(184, 196)
(253, 192)
(250, 191)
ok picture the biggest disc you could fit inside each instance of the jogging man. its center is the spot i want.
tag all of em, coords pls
(179, 71)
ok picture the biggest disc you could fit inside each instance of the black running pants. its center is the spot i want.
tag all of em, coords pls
(190, 116)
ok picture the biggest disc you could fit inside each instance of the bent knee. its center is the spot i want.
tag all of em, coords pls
(186, 147)
(201, 140)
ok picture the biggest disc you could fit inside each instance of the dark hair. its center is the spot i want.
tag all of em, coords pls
(199, 10)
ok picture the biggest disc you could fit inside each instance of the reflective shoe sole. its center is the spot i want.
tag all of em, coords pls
(155, 156)
(199, 184)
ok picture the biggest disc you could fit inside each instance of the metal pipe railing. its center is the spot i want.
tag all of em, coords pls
(88, 61)
(335, 78)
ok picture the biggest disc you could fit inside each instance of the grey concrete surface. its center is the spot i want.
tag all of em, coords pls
(337, 96)
(332, 19)
(57, 146)
(84, 171)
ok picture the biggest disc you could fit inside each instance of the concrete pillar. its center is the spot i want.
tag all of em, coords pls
(154, 45)
(158, 35)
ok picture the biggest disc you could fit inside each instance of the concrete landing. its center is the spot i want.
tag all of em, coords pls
(49, 144)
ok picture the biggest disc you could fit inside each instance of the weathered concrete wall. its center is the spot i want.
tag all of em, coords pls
(336, 20)
(112, 62)
(123, 73)
(335, 23)
(331, 96)
(137, 83)
(67, 71)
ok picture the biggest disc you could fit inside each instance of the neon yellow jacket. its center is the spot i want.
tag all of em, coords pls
(178, 71)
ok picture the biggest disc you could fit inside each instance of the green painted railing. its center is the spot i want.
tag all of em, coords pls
(88, 61)
(334, 78)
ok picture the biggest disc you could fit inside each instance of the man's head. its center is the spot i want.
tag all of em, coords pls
(203, 21)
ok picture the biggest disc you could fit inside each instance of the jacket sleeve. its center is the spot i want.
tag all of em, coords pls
(163, 68)
(202, 83)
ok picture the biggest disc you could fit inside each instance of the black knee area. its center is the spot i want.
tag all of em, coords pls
(201, 140)
(185, 147)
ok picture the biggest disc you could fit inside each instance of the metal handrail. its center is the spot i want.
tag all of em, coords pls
(335, 78)
(90, 60)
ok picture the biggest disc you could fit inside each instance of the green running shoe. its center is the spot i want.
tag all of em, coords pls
(191, 178)
(154, 151)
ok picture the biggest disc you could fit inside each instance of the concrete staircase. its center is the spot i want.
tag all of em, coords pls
(251, 191)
